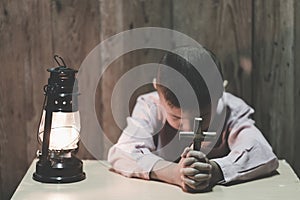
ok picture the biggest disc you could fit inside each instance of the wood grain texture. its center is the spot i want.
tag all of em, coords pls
(75, 29)
(296, 164)
(274, 74)
(17, 87)
(126, 15)
(35, 65)
(75, 32)
(224, 27)
(27, 49)
(256, 41)
(111, 23)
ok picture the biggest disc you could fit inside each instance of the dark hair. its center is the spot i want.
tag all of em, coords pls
(181, 60)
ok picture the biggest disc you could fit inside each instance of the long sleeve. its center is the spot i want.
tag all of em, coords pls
(131, 156)
(250, 154)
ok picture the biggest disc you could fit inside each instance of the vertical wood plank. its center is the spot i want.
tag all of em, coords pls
(35, 64)
(111, 23)
(225, 27)
(138, 14)
(296, 75)
(23, 27)
(12, 115)
(273, 79)
(75, 32)
(31, 31)
(75, 29)
(127, 15)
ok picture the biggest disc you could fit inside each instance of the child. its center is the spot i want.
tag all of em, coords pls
(149, 147)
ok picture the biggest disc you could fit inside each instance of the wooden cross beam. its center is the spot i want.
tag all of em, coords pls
(197, 134)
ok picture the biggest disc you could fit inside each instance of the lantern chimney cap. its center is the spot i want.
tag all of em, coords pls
(62, 70)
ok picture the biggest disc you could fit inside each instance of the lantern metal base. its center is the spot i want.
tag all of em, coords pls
(63, 170)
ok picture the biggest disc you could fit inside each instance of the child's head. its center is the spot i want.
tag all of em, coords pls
(178, 116)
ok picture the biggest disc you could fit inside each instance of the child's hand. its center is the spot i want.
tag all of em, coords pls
(196, 171)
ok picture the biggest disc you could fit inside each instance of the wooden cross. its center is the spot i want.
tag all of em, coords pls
(197, 134)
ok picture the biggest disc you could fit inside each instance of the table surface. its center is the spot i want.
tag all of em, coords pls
(104, 184)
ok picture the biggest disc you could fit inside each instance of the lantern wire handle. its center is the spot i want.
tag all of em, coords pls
(56, 57)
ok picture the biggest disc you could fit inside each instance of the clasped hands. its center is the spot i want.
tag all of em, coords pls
(197, 173)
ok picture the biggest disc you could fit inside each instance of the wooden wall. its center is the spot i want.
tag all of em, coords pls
(256, 41)
(274, 68)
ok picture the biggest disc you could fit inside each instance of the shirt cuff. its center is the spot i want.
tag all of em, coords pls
(227, 168)
(147, 163)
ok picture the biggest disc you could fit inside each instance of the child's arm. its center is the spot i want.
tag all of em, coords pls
(170, 172)
(132, 155)
(166, 171)
(250, 154)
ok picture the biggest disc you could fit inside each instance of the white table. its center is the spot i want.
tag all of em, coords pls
(104, 184)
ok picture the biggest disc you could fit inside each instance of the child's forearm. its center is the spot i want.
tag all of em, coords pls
(167, 172)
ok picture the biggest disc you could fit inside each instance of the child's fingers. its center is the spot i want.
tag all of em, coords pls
(195, 185)
(195, 174)
(197, 154)
(190, 182)
(202, 177)
(202, 166)
(185, 152)
(189, 171)
(189, 161)
(204, 185)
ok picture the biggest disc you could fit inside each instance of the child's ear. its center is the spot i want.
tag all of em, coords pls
(154, 83)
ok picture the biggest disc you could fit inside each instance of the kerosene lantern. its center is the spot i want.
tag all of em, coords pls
(59, 128)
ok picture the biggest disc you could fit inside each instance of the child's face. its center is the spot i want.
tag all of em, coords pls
(178, 118)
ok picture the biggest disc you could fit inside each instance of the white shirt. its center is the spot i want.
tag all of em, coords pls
(241, 151)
